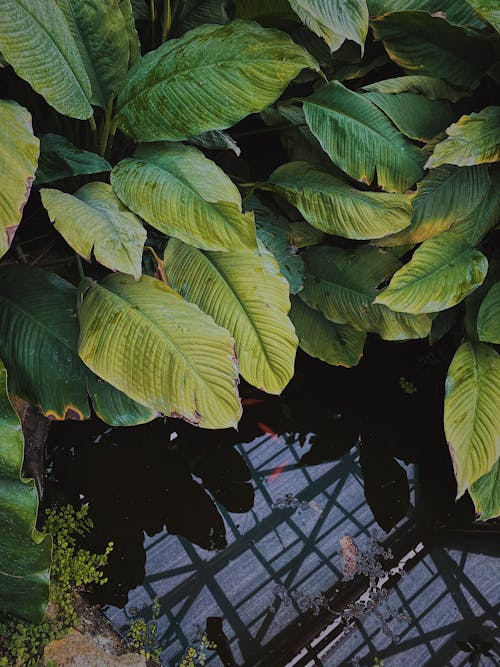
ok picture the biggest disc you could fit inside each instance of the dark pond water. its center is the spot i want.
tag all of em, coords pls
(324, 532)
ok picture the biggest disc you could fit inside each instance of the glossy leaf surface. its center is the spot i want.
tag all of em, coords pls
(59, 158)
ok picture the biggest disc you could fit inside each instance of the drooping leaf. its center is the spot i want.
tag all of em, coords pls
(193, 13)
(473, 139)
(299, 142)
(335, 207)
(342, 284)
(431, 87)
(140, 10)
(471, 414)
(485, 493)
(430, 46)
(19, 150)
(216, 140)
(146, 340)
(37, 41)
(95, 219)
(100, 33)
(414, 115)
(24, 553)
(334, 21)
(134, 45)
(474, 226)
(113, 406)
(361, 140)
(444, 197)
(457, 12)
(441, 273)
(336, 344)
(217, 76)
(488, 320)
(244, 292)
(37, 313)
(179, 191)
(488, 10)
(60, 159)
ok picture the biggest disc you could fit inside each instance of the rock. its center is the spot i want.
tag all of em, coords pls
(77, 650)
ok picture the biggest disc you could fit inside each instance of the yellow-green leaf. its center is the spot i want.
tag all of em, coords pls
(488, 10)
(485, 493)
(471, 414)
(457, 12)
(429, 86)
(19, 150)
(245, 293)
(488, 319)
(95, 219)
(162, 351)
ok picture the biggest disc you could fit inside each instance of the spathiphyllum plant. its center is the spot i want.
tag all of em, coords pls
(141, 278)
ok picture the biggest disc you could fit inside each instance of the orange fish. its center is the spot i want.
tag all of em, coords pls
(277, 471)
(266, 429)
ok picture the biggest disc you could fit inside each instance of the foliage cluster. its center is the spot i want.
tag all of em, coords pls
(143, 635)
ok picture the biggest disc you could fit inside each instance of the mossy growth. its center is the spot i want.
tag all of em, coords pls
(74, 570)
(198, 653)
(143, 635)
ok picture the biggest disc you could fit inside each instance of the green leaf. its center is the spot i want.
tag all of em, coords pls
(473, 139)
(335, 207)
(24, 553)
(444, 197)
(485, 493)
(37, 312)
(190, 14)
(488, 10)
(429, 45)
(19, 150)
(361, 140)
(303, 235)
(414, 115)
(180, 192)
(457, 12)
(146, 340)
(245, 293)
(216, 140)
(336, 344)
(474, 227)
(100, 33)
(342, 284)
(488, 321)
(217, 76)
(432, 88)
(37, 41)
(334, 21)
(471, 415)
(60, 159)
(95, 219)
(441, 273)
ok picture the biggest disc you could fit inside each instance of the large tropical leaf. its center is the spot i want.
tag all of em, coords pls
(429, 45)
(19, 150)
(179, 191)
(334, 21)
(60, 159)
(245, 293)
(342, 284)
(414, 115)
(336, 344)
(37, 313)
(471, 414)
(146, 340)
(431, 87)
(488, 319)
(190, 14)
(444, 197)
(441, 273)
(37, 41)
(95, 219)
(100, 33)
(485, 493)
(482, 219)
(24, 553)
(336, 207)
(474, 139)
(217, 75)
(488, 10)
(361, 140)
(457, 12)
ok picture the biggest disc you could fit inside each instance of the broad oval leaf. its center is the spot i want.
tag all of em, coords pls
(361, 140)
(429, 86)
(179, 191)
(24, 553)
(37, 41)
(488, 319)
(441, 273)
(473, 139)
(342, 284)
(60, 159)
(336, 344)
(217, 76)
(245, 293)
(19, 150)
(162, 351)
(488, 10)
(334, 21)
(95, 219)
(336, 207)
(430, 46)
(457, 12)
(471, 414)
(485, 493)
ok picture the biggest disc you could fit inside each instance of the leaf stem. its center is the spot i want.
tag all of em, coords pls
(167, 21)
(152, 17)
(159, 263)
(79, 266)
(93, 129)
(106, 129)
